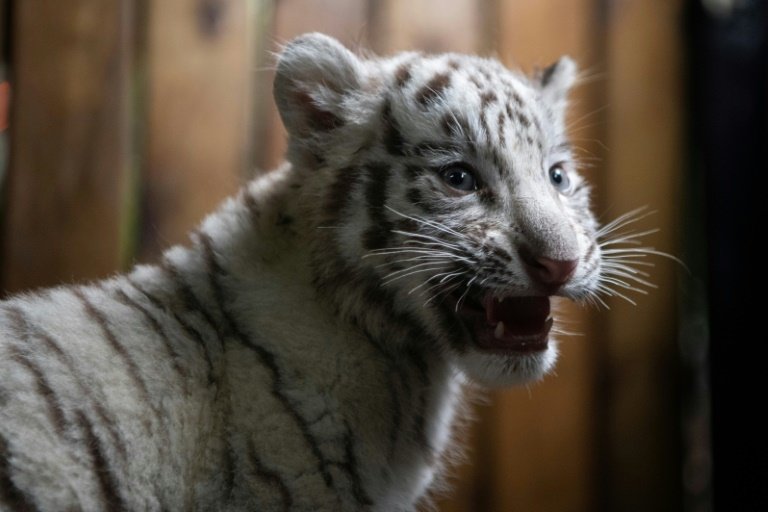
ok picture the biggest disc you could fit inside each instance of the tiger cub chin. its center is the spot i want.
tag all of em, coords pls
(306, 351)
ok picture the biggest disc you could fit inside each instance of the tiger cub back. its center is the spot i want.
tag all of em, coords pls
(308, 349)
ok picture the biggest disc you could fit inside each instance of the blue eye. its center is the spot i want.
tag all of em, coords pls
(559, 178)
(459, 177)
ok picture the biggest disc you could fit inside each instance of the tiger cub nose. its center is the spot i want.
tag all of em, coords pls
(548, 272)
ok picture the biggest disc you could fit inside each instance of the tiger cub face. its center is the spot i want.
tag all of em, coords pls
(445, 199)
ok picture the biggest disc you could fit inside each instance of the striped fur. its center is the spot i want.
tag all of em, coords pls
(300, 353)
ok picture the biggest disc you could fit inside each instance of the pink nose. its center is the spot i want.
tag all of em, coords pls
(546, 271)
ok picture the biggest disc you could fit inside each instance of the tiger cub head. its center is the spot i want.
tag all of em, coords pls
(444, 200)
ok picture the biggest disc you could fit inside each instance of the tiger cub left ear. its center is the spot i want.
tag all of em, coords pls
(556, 80)
(314, 75)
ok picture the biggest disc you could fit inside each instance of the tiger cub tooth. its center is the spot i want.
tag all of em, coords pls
(499, 332)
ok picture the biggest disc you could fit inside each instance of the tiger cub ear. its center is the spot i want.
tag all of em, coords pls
(314, 74)
(555, 81)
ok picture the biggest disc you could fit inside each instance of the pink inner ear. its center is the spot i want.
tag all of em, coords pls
(317, 118)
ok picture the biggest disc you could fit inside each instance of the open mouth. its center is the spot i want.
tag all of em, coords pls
(509, 324)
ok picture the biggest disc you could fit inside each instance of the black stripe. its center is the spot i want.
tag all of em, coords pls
(11, 497)
(85, 390)
(343, 281)
(339, 192)
(415, 197)
(101, 468)
(101, 321)
(393, 137)
(393, 370)
(188, 329)
(378, 234)
(498, 162)
(272, 478)
(190, 300)
(407, 225)
(44, 387)
(173, 356)
(230, 455)
(267, 358)
(420, 429)
(351, 466)
(222, 330)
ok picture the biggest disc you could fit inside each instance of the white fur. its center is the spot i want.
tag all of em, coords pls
(235, 351)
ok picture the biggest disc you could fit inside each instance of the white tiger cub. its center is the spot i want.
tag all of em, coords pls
(307, 351)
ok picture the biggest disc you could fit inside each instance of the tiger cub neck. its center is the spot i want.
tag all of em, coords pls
(313, 313)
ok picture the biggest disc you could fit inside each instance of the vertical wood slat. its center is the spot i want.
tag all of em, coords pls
(198, 102)
(645, 138)
(70, 154)
(260, 130)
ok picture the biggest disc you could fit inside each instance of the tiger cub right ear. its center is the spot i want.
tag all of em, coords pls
(314, 74)
(555, 81)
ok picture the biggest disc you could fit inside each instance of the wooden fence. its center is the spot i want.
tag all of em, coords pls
(130, 119)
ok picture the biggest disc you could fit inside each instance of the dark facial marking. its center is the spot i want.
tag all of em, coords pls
(412, 172)
(403, 75)
(486, 196)
(434, 147)
(523, 119)
(458, 127)
(502, 135)
(339, 192)
(487, 98)
(433, 89)
(477, 83)
(377, 236)
(393, 139)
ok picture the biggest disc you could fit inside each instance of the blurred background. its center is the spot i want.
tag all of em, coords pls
(122, 122)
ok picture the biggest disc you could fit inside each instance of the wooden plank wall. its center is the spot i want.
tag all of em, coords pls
(132, 118)
(198, 92)
(70, 142)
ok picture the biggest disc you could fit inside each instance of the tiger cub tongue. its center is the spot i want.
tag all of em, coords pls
(521, 315)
